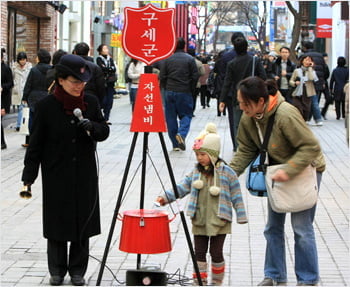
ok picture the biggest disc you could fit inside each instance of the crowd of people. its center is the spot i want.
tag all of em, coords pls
(70, 101)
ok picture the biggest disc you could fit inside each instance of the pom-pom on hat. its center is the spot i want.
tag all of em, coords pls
(75, 66)
(208, 141)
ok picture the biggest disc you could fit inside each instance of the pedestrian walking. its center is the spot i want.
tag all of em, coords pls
(218, 83)
(304, 94)
(293, 143)
(284, 69)
(322, 72)
(242, 66)
(179, 77)
(20, 71)
(270, 65)
(201, 71)
(6, 88)
(51, 73)
(214, 191)
(339, 77)
(327, 94)
(220, 69)
(109, 69)
(36, 87)
(204, 92)
(96, 85)
(136, 68)
(63, 145)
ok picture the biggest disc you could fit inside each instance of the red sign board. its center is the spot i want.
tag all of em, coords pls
(149, 33)
(324, 28)
(148, 113)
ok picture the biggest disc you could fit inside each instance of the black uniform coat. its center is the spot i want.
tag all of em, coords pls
(68, 167)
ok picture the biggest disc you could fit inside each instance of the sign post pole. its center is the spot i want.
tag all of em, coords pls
(150, 23)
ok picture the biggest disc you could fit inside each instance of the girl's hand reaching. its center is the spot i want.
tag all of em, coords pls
(161, 200)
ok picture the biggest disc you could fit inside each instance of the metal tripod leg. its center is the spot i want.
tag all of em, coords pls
(188, 237)
(116, 210)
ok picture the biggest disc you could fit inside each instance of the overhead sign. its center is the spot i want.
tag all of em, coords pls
(324, 19)
(324, 28)
(149, 33)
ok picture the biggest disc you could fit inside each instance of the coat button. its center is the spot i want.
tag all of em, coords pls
(73, 140)
(72, 122)
(74, 159)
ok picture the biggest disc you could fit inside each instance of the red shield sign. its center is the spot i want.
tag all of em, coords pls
(149, 33)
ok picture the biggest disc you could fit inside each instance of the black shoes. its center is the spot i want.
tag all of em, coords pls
(56, 280)
(3, 146)
(77, 280)
(181, 142)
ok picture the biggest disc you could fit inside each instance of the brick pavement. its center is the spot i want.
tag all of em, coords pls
(23, 249)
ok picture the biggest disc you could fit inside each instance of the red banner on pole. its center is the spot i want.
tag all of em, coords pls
(148, 113)
(149, 33)
(324, 28)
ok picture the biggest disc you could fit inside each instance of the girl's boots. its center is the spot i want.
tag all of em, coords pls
(217, 273)
(203, 270)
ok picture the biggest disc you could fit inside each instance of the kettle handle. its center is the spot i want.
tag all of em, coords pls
(120, 217)
(170, 220)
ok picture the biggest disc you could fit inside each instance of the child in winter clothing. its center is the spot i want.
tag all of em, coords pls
(214, 188)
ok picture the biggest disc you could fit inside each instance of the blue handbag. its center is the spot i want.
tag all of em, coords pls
(255, 179)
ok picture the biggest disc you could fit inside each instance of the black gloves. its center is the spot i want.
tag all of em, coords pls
(86, 125)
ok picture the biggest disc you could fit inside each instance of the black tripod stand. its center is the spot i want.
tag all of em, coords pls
(143, 177)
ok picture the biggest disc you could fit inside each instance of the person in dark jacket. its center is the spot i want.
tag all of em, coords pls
(6, 86)
(64, 147)
(270, 65)
(96, 85)
(109, 69)
(218, 82)
(221, 70)
(284, 68)
(339, 77)
(179, 77)
(51, 73)
(35, 88)
(242, 66)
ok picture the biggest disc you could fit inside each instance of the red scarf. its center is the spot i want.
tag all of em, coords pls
(69, 102)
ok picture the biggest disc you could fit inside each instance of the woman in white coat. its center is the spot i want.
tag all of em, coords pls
(20, 71)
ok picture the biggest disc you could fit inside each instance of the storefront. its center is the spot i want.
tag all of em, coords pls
(27, 26)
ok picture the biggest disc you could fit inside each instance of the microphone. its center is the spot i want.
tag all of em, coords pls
(77, 112)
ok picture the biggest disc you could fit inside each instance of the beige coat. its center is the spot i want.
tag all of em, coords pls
(20, 76)
(309, 83)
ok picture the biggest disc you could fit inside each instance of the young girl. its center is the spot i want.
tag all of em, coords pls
(214, 188)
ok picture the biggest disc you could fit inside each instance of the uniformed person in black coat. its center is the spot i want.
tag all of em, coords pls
(64, 146)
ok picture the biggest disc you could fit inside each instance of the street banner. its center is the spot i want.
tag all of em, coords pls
(324, 19)
(148, 115)
(149, 33)
(116, 40)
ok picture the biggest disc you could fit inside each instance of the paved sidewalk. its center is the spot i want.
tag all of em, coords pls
(23, 249)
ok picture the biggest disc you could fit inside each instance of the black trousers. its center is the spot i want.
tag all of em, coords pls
(229, 105)
(59, 262)
(201, 244)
